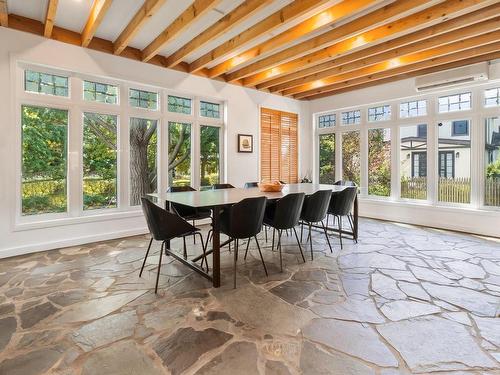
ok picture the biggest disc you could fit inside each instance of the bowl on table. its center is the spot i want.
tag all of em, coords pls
(271, 186)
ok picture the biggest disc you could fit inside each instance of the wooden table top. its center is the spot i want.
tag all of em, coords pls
(212, 198)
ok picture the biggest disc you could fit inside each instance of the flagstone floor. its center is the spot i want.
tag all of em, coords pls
(403, 300)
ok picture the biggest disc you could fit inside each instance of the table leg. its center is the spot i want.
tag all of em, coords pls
(216, 248)
(356, 213)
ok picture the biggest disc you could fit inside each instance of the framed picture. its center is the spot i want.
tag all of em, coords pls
(245, 143)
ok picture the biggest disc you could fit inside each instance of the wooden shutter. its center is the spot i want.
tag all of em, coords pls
(278, 146)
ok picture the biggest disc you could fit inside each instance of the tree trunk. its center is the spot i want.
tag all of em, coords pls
(139, 173)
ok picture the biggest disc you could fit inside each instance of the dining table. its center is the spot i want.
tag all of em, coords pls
(216, 200)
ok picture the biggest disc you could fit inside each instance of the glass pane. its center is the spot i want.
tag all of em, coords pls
(456, 102)
(351, 117)
(143, 156)
(100, 92)
(179, 105)
(208, 109)
(379, 162)
(327, 159)
(179, 154)
(99, 161)
(381, 113)
(209, 155)
(44, 160)
(45, 83)
(413, 161)
(454, 165)
(492, 97)
(143, 99)
(351, 157)
(326, 121)
(492, 162)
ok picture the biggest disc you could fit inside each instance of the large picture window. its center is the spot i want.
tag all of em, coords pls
(379, 162)
(413, 161)
(327, 158)
(179, 154)
(351, 157)
(209, 155)
(492, 162)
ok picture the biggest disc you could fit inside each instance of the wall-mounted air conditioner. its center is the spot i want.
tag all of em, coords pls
(452, 77)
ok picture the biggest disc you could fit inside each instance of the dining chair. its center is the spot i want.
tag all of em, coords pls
(350, 217)
(222, 186)
(314, 211)
(249, 185)
(165, 226)
(243, 220)
(341, 204)
(282, 215)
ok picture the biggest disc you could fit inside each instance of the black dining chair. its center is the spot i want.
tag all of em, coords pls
(187, 212)
(314, 211)
(222, 186)
(165, 226)
(350, 217)
(249, 185)
(341, 204)
(243, 220)
(282, 215)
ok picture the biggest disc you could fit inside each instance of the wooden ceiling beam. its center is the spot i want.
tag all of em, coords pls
(319, 20)
(181, 23)
(410, 63)
(97, 13)
(4, 14)
(294, 79)
(285, 15)
(145, 12)
(435, 14)
(50, 17)
(241, 13)
(441, 44)
(376, 81)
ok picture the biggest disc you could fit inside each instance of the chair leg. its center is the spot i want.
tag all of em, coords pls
(246, 251)
(209, 234)
(327, 239)
(185, 248)
(235, 260)
(260, 253)
(311, 241)
(265, 231)
(145, 256)
(301, 231)
(298, 243)
(236, 248)
(327, 217)
(159, 268)
(279, 248)
(272, 246)
(194, 236)
(340, 232)
(204, 248)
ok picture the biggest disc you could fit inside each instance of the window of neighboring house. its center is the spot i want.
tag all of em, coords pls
(419, 164)
(460, 128)
(100, 92)
(209, 155)
(413, 109)
(422, 131)
(179, 154)
(456, 102)
(43, 83)
(351, 157)
(379, 162)
(380, 113)
(326, 121)
(492, 97)
(179, 104)
(327, 158)
(447, 164)
(351, 117)
(211, 110)
(143, 99)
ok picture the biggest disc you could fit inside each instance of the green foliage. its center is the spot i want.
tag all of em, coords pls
(209, 155)
(327, 159)
(493, 169)
(179, 151)
(379, 163)
(351, 157)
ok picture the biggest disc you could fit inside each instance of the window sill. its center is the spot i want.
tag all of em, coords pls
(56, 222)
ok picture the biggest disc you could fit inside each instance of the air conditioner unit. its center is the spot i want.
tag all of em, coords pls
(452, 77)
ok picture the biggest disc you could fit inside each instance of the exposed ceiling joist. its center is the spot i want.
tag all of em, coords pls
(146, 11)
(97, 13)
(283, 16)
(437, 13)
(181, 23)
(50, 17)
(319, 20)
(4, 14)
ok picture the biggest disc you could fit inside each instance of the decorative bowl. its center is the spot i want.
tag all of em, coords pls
(271, 186)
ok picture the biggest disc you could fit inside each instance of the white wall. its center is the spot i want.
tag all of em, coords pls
(242, 117)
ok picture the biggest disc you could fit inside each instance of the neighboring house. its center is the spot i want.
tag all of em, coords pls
(492, 140)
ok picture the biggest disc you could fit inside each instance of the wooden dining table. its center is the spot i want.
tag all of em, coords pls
(218, 199)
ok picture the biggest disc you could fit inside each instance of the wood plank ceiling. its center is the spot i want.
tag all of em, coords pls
(306, 49)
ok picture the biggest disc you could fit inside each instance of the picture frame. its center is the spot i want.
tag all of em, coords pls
(245, 143)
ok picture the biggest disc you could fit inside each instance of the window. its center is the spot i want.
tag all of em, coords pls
(413, 109)
(143, 99)
(208, 109)
(327, 159)
(492, 162)
(379, 162)
(413, 161)
(99, 161)
(178, 104)
(209, 155)
(454, 158)
(457, 102)
(460, 128)
(143, 159)
(100, 92)
(492, 97)
(326, 121)
(44, 83)
(351, 117)
(351, 157)
(279, 148)
(381, 113)
(44, 160)
(179, 154)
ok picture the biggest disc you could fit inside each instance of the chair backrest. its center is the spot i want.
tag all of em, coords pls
(288, 209)
(345, 183)
(246, 216)
(180, 209)
(341, 201)
(249, 185)
(316, 206)
(222, 186)
(162, 224)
